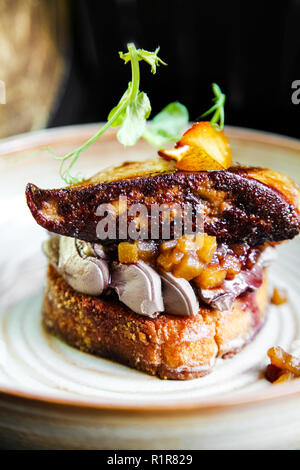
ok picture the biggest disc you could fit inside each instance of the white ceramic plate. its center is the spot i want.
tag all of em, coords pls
(36, 365)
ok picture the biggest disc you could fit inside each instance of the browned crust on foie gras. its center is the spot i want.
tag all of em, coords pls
(238, 205)
(170, 347)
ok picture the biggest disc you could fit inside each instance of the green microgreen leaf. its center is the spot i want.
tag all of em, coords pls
(168, 125)
(134, 122)
(150, 57)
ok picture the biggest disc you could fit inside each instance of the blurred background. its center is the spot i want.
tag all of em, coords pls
(59, 59)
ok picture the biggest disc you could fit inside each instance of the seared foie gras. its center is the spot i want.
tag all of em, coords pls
(237, 205)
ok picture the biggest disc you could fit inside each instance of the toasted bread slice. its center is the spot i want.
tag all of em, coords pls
(238, 205)
(170, 347)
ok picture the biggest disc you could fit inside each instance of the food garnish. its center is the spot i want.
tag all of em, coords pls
(204, 146)
(131, 114)
(189, 257)
(284, 366)
(167, 126)
(143, 250)
(279, 296)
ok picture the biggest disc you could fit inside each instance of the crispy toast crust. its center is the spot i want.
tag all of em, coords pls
(238, 205)
(170, 347)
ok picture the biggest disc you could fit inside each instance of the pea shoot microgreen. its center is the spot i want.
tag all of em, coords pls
(167, 126)
(218, 117)
(131, 114)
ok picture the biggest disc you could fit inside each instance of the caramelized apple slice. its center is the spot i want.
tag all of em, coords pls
(202, 147)
(284, 361)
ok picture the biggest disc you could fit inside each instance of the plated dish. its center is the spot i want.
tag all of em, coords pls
(71, 340)
(162, 265)
(38, 371)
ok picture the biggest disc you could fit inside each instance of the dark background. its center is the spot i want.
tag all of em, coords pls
(251, 49)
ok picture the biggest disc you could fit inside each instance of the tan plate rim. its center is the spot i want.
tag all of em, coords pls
(37, 139)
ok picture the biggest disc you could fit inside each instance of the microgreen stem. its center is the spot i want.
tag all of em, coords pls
(218, 117)
(135, 70)
(65, 174)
